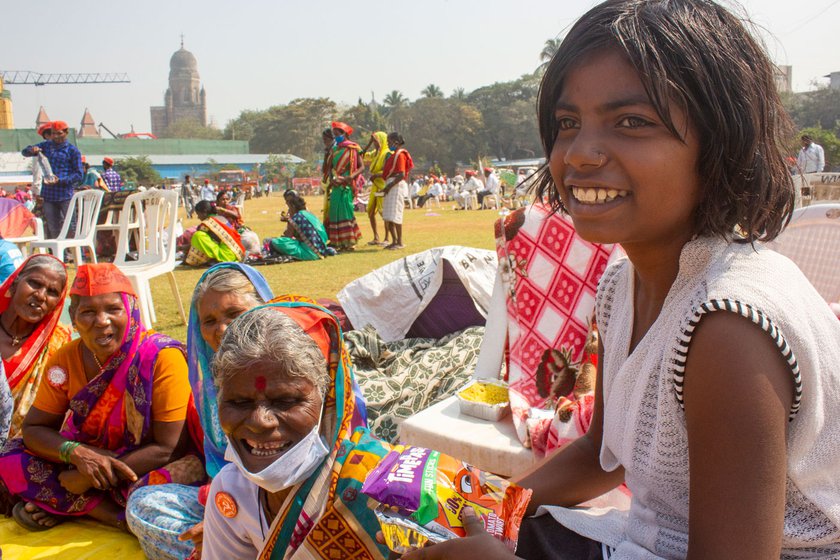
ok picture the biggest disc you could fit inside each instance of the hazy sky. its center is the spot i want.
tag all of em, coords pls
(254, 54)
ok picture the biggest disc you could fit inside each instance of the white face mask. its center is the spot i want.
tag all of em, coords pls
(293, 467)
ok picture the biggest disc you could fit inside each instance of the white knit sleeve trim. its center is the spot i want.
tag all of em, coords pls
(754, 315)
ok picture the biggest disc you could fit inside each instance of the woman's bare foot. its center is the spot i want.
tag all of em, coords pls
(32, 517)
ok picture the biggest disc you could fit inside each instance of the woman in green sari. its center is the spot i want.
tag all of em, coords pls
(305, 237)
(345, 167)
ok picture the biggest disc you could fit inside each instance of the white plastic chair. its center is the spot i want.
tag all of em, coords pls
(488, 198)
(240, 203)
(155, 213)
(24, 241)
(812, 241)
(84, 210)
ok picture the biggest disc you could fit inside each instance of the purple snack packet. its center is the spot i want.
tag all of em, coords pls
(397, 478)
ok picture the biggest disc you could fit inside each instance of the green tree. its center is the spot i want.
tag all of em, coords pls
(509, 115)
(432, 90)
(365, 118)
(444, 130)
(138, 170)
(394, 108)
(816, 108)
(288, 129)
(242, 127)
(459, 93)
(189, 128)
(549, 49)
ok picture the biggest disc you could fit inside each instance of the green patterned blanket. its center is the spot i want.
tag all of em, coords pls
(403, 377)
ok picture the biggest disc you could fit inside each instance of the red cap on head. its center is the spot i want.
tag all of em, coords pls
(488, 170)
(102, 278)
(108, 160)
(469, 173)
(44, 127)
(206, 181)
(84, 159)
(59, 125)
(348, 130)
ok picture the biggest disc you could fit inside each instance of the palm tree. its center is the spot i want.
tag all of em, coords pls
(459, 94)
(394, 102)
(550, 47)
(432, 90)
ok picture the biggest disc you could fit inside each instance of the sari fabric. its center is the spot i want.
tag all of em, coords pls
(376, 162)
(112, 412)
(215, 240)
(25, 369)
(326, 516)
(310, 238)
(199, 356)
(342, 228)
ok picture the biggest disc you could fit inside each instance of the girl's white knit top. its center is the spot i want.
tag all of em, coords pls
(644, 424)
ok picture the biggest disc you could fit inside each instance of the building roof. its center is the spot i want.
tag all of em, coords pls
(183, 59)
(199, 159)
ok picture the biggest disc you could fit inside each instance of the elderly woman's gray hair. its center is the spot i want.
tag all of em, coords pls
(267, 335)
(43, 262)
(227, 280)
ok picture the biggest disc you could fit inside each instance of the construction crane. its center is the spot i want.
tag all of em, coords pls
(26, 77)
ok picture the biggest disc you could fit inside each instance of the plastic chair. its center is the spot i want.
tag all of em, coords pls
(24, 241)
(812, 241)
(84, 211)
(490, 197)
(155, 214)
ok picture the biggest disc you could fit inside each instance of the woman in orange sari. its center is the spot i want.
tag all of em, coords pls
(31, 301)
(116, 413)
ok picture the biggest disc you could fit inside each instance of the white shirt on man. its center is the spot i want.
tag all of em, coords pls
(811, 159)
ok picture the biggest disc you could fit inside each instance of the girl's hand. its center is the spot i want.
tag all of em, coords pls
(478, 544)
(196, 535)
(101, 470)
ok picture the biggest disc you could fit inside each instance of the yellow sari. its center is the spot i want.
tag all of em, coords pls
(375, 161)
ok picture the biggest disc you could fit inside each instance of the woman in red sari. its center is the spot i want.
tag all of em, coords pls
(31, 301)
(112, 415)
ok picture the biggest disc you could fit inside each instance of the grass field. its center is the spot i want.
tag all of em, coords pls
(423, 228)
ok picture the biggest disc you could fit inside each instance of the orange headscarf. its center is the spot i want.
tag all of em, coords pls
(101, 278)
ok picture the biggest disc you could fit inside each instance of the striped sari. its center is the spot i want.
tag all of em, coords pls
(342, 228)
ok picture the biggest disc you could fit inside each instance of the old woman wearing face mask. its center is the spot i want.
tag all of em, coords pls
(297, 442)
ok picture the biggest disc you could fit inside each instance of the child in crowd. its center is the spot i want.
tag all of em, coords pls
(718, 371)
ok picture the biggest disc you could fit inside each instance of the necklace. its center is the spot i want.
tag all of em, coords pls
(16, 340)
(95, 359)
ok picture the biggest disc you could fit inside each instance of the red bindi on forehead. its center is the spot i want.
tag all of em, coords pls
(259, 383)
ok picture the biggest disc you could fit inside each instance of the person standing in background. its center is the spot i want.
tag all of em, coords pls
(112, 179)
(811, 157)
(57, 190)
(188, 194)
(395, 172)
(207, 192)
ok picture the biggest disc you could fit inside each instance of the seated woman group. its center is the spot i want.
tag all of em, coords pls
(214, 240)
(305, 237)
(113, 413)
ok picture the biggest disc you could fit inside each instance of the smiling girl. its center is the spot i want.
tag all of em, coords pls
(718, 368)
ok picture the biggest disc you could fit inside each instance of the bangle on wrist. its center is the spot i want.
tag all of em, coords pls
(65, 450)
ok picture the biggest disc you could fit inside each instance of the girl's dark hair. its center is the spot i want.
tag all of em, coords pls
(327, 133)
(397, 138)
(698, 55)
(294, 200)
